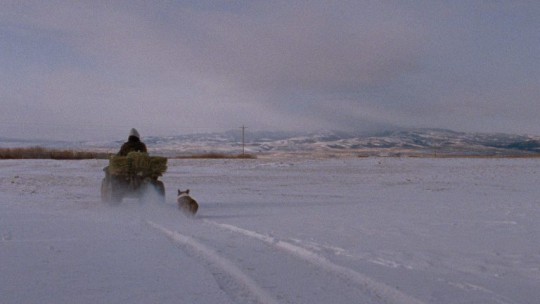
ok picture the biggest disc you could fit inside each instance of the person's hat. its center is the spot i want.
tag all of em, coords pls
(134, 132)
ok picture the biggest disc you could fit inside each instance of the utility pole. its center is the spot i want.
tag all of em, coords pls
(243, 139)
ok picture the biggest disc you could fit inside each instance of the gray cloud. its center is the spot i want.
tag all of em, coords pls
(96, 69)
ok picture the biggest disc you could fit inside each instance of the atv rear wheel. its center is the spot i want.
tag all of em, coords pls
(108, 194)
(153, 191)
(160, 190)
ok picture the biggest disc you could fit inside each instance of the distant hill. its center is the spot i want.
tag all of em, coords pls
(413, 142)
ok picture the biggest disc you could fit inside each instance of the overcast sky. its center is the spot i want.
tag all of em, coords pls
(85, 70)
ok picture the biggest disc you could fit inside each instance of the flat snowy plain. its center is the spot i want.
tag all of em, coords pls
(364, 230)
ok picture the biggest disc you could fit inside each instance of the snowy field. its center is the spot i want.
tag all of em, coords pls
(371, 230)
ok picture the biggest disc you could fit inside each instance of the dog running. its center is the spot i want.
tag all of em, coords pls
(186, 203)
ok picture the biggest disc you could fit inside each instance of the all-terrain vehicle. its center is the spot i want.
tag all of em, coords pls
(135, 175)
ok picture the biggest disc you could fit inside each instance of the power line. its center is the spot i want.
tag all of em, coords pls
(243, 139)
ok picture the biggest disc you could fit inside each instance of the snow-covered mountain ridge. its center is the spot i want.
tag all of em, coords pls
(398, 142)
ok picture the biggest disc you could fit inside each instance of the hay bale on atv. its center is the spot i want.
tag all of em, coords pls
(133, 175)
(137, 164)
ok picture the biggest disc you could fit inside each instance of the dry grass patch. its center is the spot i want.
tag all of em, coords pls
(44, 153)
(217, 156)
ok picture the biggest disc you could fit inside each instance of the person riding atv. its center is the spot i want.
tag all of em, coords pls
(134, 143)
(132, 173)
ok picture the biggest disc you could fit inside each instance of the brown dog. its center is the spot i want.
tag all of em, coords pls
(186, 203)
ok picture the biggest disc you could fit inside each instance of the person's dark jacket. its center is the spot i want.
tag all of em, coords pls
(134, 144)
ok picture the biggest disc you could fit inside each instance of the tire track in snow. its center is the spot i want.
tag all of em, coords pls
(255, 293)
(379, 290)
(468, 286)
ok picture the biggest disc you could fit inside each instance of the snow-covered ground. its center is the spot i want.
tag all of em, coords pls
(365, 230)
